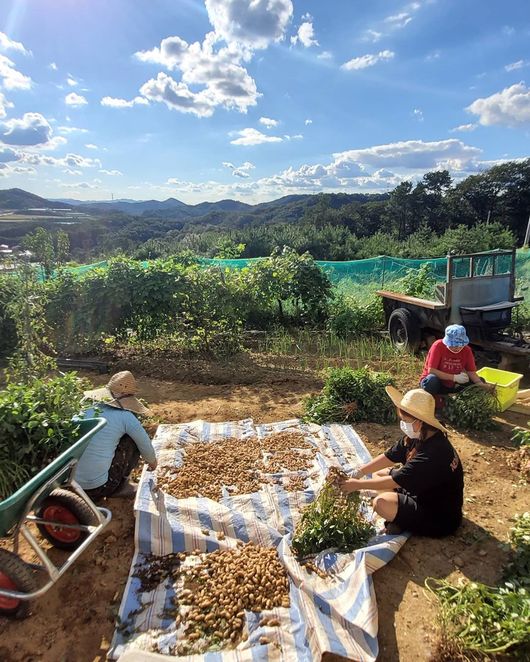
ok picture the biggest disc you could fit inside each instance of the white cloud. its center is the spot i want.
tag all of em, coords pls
(7, 44)
(510, 107)
(70, 161)
(508, 30)
(242, 171)
(413, 154)
(177, 96)
(71, 129)
(255, 24)
(7, 154)
(112, 173)
(517, 65)
(325, 55)
(13, 79)
(225, 81)
(298, 136)
(418, 114)
(433, 55)
(91, 146)
(82, 185)
(306, 33)
(31, 130)
(4, 106)
(268, 122)
(399, 20)
(53, 66)
(464, 127)
(249, 137)
(75, 100)
(372, 35)
(72, 81)
(112, 102)
(308, 122)
(368, 60)
(243, 27)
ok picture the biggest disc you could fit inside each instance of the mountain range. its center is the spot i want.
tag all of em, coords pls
(16, 199)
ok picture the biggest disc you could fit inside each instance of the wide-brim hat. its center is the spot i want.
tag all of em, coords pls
(417, 403)
(119, 393)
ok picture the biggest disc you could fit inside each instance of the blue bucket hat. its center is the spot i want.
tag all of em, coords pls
(455, 336)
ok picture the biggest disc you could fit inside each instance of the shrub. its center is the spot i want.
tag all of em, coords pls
(35, 427)
(418, 282)
(472, 408)
(352, 395)
(350, 317)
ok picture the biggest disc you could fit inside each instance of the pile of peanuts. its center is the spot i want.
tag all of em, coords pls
(219, 590)
(235, 463)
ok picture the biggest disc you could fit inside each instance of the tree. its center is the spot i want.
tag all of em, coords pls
(48, 250)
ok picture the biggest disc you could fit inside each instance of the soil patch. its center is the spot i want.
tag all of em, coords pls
(74, 621)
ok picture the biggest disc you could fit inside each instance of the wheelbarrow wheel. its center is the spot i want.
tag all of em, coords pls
(15, 575)
(68, 508)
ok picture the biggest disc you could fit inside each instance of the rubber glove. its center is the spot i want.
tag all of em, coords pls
(462, 378)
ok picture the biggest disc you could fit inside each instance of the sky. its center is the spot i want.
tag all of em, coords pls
(256, 99)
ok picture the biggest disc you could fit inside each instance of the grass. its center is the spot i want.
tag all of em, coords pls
(315, 350)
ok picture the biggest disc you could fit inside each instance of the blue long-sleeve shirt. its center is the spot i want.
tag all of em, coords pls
(94, 465)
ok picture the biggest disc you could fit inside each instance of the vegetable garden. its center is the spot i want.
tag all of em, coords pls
(179, 306)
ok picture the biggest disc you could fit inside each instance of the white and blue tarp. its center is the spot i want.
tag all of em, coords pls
(336, 614)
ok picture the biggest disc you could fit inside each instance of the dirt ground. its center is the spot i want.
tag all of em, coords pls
(74, 621)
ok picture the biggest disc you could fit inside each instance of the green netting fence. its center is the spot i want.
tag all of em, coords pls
(371, 273)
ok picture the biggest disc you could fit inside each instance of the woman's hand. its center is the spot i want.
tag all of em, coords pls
(350, 485)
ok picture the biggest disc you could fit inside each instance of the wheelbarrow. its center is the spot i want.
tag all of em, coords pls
(64, 515)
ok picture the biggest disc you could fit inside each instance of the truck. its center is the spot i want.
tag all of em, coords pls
(478, 292)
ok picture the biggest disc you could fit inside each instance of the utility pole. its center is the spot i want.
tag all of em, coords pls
(527, 235)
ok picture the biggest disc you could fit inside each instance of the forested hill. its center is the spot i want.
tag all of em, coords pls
(489, 209)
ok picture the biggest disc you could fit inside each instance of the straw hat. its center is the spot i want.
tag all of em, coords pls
(418, 403)
(120, 393)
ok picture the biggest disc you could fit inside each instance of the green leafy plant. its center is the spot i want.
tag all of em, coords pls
(350, 317)
(477, 619)
(26, 308)
(418, 282)
(352, 395)
(333, 521)
(517, 572)
(521, 437)
(35, 426)
(472, 408)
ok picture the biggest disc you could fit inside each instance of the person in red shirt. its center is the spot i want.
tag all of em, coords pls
(450, 363)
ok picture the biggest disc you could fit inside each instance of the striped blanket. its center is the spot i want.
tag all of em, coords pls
(336, 614)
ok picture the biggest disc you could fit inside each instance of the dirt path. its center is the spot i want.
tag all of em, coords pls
(74, 622)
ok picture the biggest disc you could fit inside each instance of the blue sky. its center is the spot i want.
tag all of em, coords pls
(255, 99)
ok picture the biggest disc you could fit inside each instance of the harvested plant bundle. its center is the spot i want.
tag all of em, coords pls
(214, 593)
(236, 463)
(472, 408)
(352, 395)
(487, 620)
(35, 427)
(333, 520)
(482, 619)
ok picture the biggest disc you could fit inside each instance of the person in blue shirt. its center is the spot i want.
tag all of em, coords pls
(115, 450)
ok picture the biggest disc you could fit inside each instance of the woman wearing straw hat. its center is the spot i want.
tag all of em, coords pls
(425, 494)
(114, 451)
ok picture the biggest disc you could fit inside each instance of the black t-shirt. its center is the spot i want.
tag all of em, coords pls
(432, 473)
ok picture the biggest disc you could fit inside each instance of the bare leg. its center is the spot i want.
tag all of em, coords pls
(382, 473)
(386, 505)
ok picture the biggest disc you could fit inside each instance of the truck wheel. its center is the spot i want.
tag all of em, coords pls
(404, 329)
(15, 575)
(68, 508)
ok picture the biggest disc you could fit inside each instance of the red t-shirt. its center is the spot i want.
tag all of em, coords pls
(442, 358)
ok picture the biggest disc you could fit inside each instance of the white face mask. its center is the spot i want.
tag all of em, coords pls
(408, 430)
